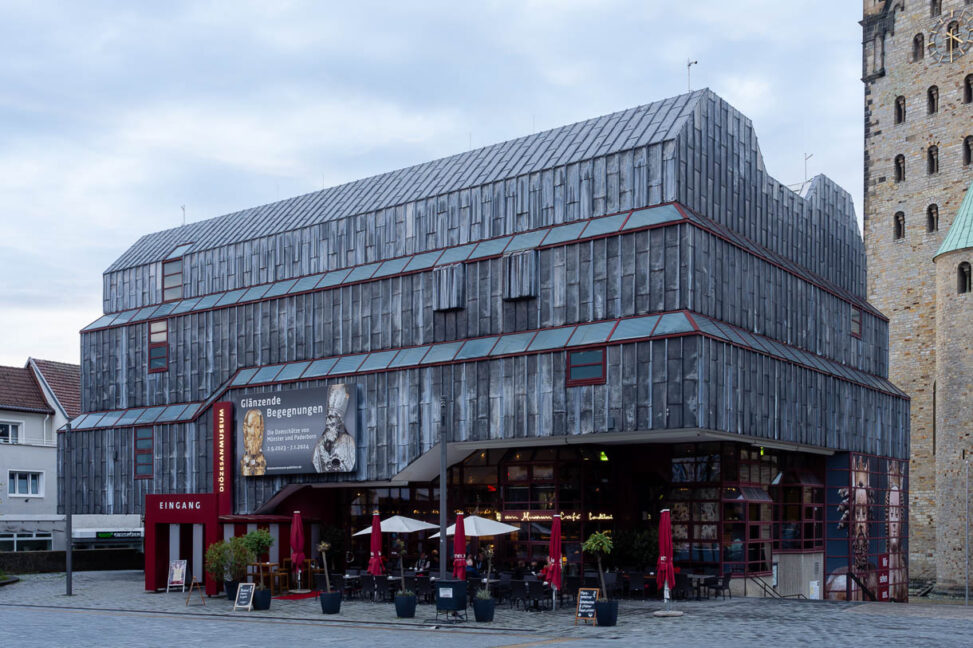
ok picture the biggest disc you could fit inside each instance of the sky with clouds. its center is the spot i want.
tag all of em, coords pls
(115, 115)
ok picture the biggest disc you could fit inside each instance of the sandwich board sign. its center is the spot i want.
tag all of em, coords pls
(177, 575)
(244, 597)
(586, 605)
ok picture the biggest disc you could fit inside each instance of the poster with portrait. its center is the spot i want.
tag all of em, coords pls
(298, 431)
(177, 575)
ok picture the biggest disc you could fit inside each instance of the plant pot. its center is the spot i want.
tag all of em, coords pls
(606, 613)
(330, 602)
(261, 599)
(483, 609)
(405, 605)
(231, 587)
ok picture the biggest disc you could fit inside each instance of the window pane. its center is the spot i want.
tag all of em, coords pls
(587, 357)
(143, 459)
(157, 352)
(172, 267)
(143, 444)
(35, 483)
(172, 280)
(585, 372)
(22, 483)
(156, 338)
(172, 293)
(157, 363)
(143, 470)
(158, 326)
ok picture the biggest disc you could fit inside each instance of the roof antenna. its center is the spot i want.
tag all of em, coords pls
(183, 207)
(689, 64)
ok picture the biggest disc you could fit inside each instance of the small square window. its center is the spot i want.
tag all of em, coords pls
(586, 367)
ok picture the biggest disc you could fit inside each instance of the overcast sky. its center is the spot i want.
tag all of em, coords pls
(115, 114)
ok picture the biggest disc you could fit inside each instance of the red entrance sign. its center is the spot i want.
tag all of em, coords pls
(223, 456)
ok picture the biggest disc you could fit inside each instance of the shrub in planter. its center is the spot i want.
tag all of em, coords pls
(405, 604)
(258, 542)
(484, 606)
(227, 561)
(606, 611)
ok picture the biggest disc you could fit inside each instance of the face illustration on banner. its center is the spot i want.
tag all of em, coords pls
(253, 462)
(335, 450)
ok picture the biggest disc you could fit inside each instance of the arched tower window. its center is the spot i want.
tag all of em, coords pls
(968, 89)
(932, 100)
(932, 218)
(899, 168)
(899, 231)
(963, 278)
(918, 48)
(968, 150)
(935, 7)
(899, 109)
(932, 159)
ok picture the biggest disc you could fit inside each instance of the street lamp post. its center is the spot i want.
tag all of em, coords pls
(442, 488)
(68, 506)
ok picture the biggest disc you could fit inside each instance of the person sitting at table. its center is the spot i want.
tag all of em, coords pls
(471, 570)
(422, 564)
(481, 561)
(547, 570)
(520, 570)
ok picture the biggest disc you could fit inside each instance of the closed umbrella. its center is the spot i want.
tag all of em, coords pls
(665, 575)
(375, 567)
(459, 549)
(297, 545)
(554, 551)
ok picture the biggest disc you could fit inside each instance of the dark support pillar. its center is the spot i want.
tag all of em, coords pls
(68, 506)
(442, 489)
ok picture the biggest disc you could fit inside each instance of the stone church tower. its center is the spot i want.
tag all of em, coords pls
(918, 74)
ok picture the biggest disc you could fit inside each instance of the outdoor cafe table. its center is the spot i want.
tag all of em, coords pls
(262, 570)
(698, 580)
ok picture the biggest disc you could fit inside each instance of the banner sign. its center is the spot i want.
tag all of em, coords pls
(547, 516)
(298, 431)
(222, 457)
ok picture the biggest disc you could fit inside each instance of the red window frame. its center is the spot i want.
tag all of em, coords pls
(156, 344)
(143, 456)
(596, 380)
(856, 322)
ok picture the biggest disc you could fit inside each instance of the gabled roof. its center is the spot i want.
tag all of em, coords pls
(64, 380)
(960, 234)
(651, 123)
(19, 391)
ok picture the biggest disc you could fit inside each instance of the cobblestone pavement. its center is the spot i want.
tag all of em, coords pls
(111, 608)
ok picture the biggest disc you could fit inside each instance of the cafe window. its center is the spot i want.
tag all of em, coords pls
(799, 514)
(747, 527)
(586, 367)
(158, 346)
(695, 505)
(144, 455)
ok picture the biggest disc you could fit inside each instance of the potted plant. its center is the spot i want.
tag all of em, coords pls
(483, 603)
(330, 601)
(606, 611)
(405, 600)
(228, 560)
(258, 542)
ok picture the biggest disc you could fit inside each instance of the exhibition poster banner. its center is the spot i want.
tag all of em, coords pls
(297, 431)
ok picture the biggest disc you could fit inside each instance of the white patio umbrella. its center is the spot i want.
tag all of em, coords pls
(399, 524)
(480, 527)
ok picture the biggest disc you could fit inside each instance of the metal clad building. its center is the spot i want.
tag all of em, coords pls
(636, 281)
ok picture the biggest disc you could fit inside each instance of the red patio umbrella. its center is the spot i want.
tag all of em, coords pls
(665, 574)
(554, 551)
(459, 549)
(375, 566)
(297, 544)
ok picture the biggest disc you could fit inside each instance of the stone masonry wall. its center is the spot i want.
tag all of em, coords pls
(901, 274)
(954, 418)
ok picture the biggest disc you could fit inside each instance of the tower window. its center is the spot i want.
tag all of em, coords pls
(899, 168)
(968, 150)
(899, 225)
(932, 218)
(918, 48)
(932, 159)
(158, 346)
(968, 89)
(935, 7)
(932, 100)
(963, 278)
(899, 109)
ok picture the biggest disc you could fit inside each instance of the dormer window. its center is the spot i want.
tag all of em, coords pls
(172, 274)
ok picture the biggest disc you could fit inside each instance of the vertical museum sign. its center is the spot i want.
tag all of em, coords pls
(222, 457)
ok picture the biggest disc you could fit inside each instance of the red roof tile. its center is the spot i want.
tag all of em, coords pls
(19, 391)
(65, 381)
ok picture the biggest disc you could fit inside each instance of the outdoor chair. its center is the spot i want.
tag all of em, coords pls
(503, 587)
(720, 586)
(367, 587)
(537, 594)
(683, 589)
(382, 590)
(423, 589)
(518, 593)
